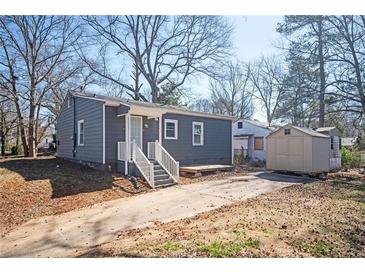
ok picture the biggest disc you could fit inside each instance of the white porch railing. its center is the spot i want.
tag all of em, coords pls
(157, 152)
(143, 164)
(122, 151)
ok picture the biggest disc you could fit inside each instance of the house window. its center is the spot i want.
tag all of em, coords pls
(331, 142)
(170, 129)
(68, 102)
(287, 131)
(239, 125)
(80, 132)
(198, 134)
(259, 143)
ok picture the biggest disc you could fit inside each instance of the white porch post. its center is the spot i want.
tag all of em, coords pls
(160, 129)
(127, 142)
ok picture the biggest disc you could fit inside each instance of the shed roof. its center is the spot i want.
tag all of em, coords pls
(305, 130)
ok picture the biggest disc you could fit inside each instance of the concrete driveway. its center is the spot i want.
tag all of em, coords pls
(63, 235)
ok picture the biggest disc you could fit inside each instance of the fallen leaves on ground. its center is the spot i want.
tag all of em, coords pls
(323, 219)
(31, 188)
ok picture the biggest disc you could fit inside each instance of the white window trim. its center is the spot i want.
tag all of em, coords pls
(79, 122)
(202, 133)
(68, 102)
(176, 129)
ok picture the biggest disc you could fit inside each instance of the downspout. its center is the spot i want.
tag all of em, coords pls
(74, 133)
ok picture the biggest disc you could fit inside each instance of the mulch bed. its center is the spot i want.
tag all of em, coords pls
(31, 188)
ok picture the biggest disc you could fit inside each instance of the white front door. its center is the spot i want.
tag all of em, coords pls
(136, 130)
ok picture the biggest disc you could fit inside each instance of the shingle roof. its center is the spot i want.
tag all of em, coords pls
(261, 124)
(310, 131)
(148, 104)
(324, 129)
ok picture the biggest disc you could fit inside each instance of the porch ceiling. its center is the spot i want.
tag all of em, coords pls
(145, 111)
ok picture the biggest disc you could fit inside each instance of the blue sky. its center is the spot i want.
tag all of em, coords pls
(253, 37)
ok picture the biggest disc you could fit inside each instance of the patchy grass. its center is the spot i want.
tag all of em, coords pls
(316, 249)
(324, 219)
(170, 246)
(221, 249)
(31, 188)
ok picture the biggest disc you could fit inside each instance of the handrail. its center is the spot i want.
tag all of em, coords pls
(143, 164)
(159, 153)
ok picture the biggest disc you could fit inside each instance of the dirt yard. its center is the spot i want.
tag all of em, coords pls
(324, 219)
(30, 188)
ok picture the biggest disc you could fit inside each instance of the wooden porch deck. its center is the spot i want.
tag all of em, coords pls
(198, 170)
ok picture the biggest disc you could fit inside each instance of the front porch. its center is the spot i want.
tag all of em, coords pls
(198, 170)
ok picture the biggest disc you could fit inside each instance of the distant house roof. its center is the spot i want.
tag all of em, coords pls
(261, 124)
(310, 132)
(173, 109)
(332, 131)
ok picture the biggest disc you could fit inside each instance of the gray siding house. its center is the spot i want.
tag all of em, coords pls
(139, 138)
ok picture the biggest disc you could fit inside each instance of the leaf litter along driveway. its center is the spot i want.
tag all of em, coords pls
(65, 235)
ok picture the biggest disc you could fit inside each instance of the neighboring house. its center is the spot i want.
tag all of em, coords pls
(348, 142)
(249, 138)
(47, 140)
(292, 148)
(142, 138)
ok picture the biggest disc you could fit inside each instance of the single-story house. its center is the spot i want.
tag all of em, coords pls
(249, 139)
(298, 149)
(140, 138)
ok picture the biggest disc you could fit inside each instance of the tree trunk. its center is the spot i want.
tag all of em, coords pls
(2, 132)
(155, 92)
(21, 128)
(31, 133)
(322, 75)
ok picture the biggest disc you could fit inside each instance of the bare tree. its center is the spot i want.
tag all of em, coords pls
(268, 79)
(202, 105)
(31, 48)
(163, 49)
(230, 93)
(347, 63)
(307, 34)
(8, 121)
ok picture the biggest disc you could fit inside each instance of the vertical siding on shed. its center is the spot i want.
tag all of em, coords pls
(321, 154)
(217, 146)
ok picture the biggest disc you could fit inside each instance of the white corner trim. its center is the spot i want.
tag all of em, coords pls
(232, 147)
(201, 124)
(176, 129)
(104, 133)
(160, 129)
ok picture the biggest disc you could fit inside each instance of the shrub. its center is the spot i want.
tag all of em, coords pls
(350, 159)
